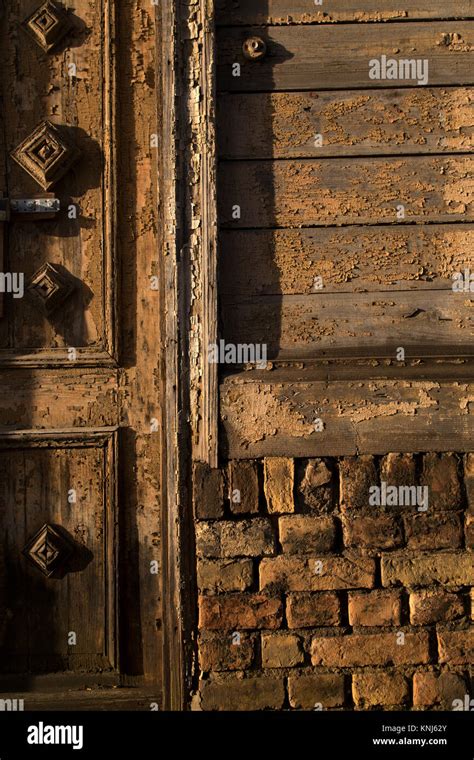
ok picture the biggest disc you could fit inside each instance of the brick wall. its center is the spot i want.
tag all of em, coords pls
(312, 597)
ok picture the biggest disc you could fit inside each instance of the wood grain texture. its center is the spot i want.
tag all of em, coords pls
(40, 87)
(330, 11)
(424, 322)
(312, 57)
(103, 700)
(304, 193)
(276, 418)
(348, 259)
(62, 399)
(365, 122)
(110, 114)
(35, 483)
(140, 339)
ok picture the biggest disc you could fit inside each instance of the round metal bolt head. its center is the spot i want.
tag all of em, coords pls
(254, 48)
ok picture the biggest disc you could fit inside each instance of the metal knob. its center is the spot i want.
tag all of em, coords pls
(254, 48)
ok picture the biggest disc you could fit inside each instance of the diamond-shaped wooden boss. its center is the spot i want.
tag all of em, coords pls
(46, 154)
(48, 550)
(48, 24)
(50, 287)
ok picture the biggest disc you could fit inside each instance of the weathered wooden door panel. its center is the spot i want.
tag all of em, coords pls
(327, 57)
(303, 12)
(79, 434)
(62, 86)
(67, 624)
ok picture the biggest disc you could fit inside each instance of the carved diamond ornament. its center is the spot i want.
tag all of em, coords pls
(46, 155)
(50, 287)
(48, 550)
(48, 24)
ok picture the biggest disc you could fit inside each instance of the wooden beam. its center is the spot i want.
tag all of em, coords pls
(343, 191)
(304, 12)
(267, 418)
(307, 57)
(351, 123)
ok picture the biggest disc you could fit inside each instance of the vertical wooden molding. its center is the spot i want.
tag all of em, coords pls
(110, 179)
(172, 620)
(189, 314)
(207, 446)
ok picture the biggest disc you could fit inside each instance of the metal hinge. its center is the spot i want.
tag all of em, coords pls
(34, 208)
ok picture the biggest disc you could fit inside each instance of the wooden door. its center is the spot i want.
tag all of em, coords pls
(79, 357)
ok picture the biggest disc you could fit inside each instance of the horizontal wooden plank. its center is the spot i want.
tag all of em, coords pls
(331, 11)
(74, 398)
(327, 324)
(322, 57)
(348, 259)
(307, 192)
(360, 122)
(271, 418)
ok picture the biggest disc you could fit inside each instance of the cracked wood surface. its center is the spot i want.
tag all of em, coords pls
(275, 417)
(328, 210)
(99, 425)
(357, 123)
(303, 12)
(305, 193)
(322, 57)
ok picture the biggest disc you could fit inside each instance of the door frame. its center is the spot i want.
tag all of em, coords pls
(188, 259)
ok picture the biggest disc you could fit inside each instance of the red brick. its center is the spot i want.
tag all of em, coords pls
(308, 610)
(428, 607)
(243, 538)
(398, 470)
(307, 692)
(279, 484)
(437, 690)
(378, 532)
(241, 694)
(300, 573)
(370, 649)
(281, 650)
(218, 575)
(447, 568)
(316, 486)
(456, 647)
(243, 487)
(440, 531)
(208, 491)
(375, 608)
(440, 474)
(303, 534)
(239, 611)
(220, 652)
(357, 475)
(379, 689)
